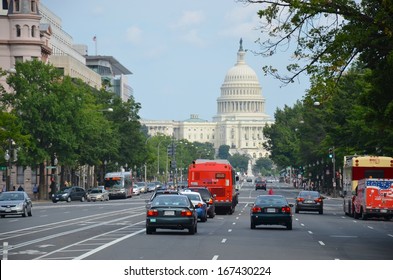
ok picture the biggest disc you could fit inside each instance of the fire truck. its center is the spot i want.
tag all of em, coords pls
(373, 198)
(362, 167)
(220, 178)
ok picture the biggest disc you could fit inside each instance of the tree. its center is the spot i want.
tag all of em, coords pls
(239, 162)
(263, 166)
(223, 152)
(328, 35)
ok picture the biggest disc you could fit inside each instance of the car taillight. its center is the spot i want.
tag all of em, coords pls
(256, 209)
(152, 213)
(300, 199)
(286, 209)
(210, 201)
(186, 213)
(318, 199)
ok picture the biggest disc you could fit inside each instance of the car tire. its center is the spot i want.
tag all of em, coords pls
(68, 199)
(321, 212)
(30, 213)
(193, 229)
(149, 230)
(204, 219)
(296, 210)
(252, 225)
(363, 215)
(83, 199)
(211, 215)
(2, 216)
(289, 226)
(24, 212)
(54, 201)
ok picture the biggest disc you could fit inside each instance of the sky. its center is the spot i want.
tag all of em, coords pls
(179, 51)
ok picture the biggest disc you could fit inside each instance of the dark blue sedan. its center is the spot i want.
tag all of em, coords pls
(271, 210)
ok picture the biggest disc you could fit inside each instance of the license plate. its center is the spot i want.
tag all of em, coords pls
(384, 210)
(309, 201)
(152, 220)
(169, 213)
(7, 210)
(271, 210)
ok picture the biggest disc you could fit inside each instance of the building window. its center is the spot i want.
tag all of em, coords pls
(33, 31)
(18, 31)
(20, 175)
(17, 5)
(18, 59)
(33, 6)
(5, 4)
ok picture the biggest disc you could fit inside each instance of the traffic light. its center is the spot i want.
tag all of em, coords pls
(330, 152)
(171, 150)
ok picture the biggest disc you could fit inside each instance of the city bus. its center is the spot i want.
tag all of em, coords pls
(220, 178)
(363, 167)
(118, 184)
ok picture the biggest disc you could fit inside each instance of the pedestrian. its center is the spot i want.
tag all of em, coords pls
(270, 191)
(52, 188)
(35, 192)
(13, 188)
(21, 189)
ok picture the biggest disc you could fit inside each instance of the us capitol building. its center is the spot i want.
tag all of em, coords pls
(240, 115)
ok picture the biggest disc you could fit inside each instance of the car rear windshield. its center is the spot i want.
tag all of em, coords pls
(309, 194)
(203, 192)
(270, 200)
(170, 200)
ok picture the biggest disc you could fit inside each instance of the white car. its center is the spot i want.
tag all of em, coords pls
(199, 204)
(136, 190)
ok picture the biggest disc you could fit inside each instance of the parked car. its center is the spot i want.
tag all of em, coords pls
(197, 200)
(271, 210)
(68, 194)
(309, 201)
(15, 203)
(174, 212)
(208, 198)
(97, 194)
(260, 184)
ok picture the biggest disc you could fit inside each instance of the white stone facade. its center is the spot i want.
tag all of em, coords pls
(240, 115)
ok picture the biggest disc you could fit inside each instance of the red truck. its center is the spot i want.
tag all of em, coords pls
(373, 198)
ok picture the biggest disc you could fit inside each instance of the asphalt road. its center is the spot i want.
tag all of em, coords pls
(115, 230)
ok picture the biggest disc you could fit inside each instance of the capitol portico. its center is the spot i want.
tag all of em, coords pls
(240, 115)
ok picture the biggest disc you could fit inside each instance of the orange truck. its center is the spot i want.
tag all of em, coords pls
(220, 178)
(373, 198)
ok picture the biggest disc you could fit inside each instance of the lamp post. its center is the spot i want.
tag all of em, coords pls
(158, 157)
(55, 162)
(7, 159)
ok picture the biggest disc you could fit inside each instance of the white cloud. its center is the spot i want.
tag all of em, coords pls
(134, 34)
(193, 37)
(189, 18)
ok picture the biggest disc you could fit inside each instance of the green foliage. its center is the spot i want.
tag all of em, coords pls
(239, 162)
(223, 152)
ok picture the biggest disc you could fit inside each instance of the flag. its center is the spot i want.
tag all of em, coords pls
(95, 38)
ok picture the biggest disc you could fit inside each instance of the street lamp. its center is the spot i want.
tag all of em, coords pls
(106, 110)
(7, 159)
(55, 162)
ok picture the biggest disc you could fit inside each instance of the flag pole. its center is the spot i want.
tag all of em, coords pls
(95, 43)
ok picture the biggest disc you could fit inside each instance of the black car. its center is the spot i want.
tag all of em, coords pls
(15, 203)
(69, 194)
(260, 184)
(309, 201)
(271, 210)
(174, 212)
(208, 198)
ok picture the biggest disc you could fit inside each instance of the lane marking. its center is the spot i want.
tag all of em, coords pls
(391, 235)
(229, 230)
(224, 240)
(370, 227)
(215, 257)
(320, 242)
(310, 232)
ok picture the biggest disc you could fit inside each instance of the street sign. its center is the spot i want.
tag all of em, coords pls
(51, 167)
(3, 168)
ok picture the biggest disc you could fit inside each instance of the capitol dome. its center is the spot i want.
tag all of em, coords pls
(241, 93)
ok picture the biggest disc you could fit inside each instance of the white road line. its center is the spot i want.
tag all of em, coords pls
(233, 223)
(237, 218)
(320, 242)
(391, 235)
(310, 232)
(302, 225)
(224, 240)
(215, 257)
(229, 230)
(370, 227)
